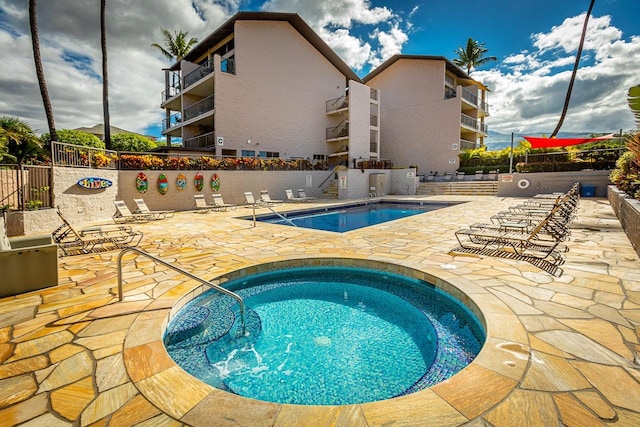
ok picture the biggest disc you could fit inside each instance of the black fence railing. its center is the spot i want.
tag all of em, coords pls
(25, 187)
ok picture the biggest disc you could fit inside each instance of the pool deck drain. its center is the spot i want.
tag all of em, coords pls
(560, 350)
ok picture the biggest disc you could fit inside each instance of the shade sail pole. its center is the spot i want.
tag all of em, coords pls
(573, 74)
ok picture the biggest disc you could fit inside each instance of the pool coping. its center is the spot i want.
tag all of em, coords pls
(494, 373)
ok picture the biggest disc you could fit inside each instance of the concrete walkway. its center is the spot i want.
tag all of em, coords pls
(560, 351)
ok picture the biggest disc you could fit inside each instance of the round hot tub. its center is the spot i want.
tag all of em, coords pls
(324, 335)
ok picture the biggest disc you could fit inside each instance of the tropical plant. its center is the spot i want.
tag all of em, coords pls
(176, 45)
(35, 42)
(132, 142)
(105, 74)
(75, 137)
(20, 140)
(472, 55)
(565, 108)
(634, 102)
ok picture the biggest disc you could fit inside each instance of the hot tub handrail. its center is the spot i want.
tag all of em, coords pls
(186, 273)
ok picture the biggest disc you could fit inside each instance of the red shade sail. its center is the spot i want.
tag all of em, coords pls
(538, 142)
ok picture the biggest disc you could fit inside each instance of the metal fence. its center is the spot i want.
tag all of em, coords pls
(77, 156)
(25, 187)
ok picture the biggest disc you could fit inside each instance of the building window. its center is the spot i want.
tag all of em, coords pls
(248, 153)
(269, 154)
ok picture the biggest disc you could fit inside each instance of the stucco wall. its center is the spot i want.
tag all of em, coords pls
(418, 126)
(551, 182)
(277, 97)
(355, 183)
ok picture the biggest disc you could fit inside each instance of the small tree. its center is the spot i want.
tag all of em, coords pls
(131, 142)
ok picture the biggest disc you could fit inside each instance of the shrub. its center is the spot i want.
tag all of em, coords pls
(75, 137)
(626, 175)
(131, 142)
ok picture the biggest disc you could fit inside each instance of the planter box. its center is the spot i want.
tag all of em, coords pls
(628, 212)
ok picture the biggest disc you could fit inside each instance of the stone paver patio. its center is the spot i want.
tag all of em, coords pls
(560, 351)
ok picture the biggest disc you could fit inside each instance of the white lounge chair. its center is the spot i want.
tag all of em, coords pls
(123, 214)
(303, 195)
(292, 198)
(218, 201)
(266, 198)
(143, 209)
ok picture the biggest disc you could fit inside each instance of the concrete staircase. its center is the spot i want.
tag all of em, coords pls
(330, 191)
(458, 188)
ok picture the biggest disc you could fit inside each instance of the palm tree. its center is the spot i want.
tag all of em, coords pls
(33, 23)
(18, 138)
(105, 76)
(573, 74)
(176, 45)
(472, 55)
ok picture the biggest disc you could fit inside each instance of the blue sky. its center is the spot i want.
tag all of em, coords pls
(535, 43)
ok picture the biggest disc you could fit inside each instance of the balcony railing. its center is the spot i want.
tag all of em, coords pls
(198, 108)
(473, 123)
(467, 145)
(171, 121)
(199, 73)
(374, 94)
(337, 103)
(82, 157)
(340, 131)
(373, 120)
(475, 100)
(200, 141)
(170, 92)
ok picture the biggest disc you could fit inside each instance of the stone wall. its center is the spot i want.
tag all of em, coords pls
(628, 212)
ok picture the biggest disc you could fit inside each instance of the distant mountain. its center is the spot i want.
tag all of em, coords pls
(497, 141)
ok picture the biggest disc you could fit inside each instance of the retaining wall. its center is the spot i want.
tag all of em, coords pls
(628, 212)
(530, 184)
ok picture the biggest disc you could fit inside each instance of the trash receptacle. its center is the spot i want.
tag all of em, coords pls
(587, 190)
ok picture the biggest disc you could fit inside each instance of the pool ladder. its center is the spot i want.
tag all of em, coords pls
(186, 273)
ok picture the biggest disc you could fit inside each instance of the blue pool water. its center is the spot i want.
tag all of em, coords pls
(325, 336)
(341, 219)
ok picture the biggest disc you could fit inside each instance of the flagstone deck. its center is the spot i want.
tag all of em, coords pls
(560, 351)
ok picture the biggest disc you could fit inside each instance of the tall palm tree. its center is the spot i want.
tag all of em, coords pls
(35, 42)
(105, 76)
(472, 55)
(176, 45)
(575, 71)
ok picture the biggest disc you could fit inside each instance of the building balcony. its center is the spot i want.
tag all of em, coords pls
(198, 74)
(473, 99)
(473, 124)
(201, 107)
(201, 141)
(172, 122)
(338, 132)
(467, 145)
(338, 105)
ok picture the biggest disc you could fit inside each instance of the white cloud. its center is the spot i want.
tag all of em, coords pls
(333, 19)
(529, 89)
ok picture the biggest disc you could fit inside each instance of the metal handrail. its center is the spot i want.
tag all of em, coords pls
(186, 273)
(284, 218)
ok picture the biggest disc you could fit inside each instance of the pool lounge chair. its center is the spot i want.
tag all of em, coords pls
(303, 195)
(460, 176)
(143, 209)
(123, 214)
(93, 239)
(266, 198)
(491, 176)
(218, 202)
(251, 201)
(27, 263)
(478, 176)
(292, 198)
(200, 204)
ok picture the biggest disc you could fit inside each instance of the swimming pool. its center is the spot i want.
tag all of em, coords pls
(347, 218)
(325, 336)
